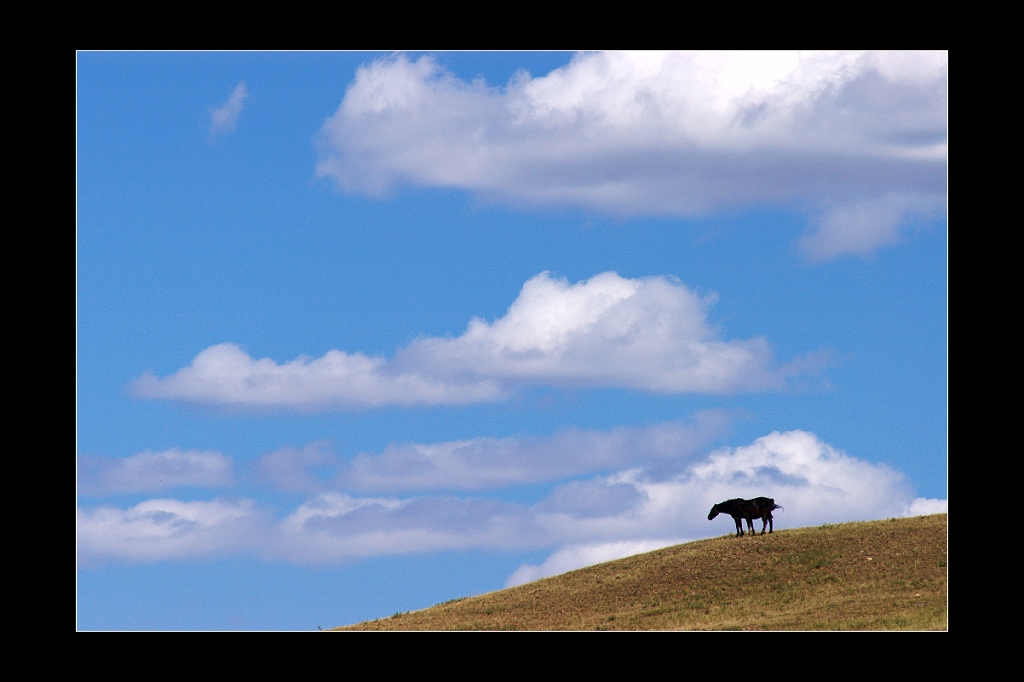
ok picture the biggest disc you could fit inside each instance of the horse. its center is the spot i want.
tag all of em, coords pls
(761, 508)
(738, 509)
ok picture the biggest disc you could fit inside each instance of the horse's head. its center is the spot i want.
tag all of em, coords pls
(714, 512)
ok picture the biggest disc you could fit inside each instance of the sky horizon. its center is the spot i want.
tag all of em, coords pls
(360, 333)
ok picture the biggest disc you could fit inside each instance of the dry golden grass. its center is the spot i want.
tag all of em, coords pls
(873, 575)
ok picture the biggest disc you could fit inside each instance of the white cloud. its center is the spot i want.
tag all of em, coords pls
(152, 471)
(490, 463)
(224, 119)
(299, 470)
(633, 510)
(648, 334)
(814, 482)
(923, 506)
(336, 527)
(860, 227)
(580, 556)
(651, 133)
(225, 375)
(163, 529)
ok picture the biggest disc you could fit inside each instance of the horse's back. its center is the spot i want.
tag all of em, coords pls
(764, 505)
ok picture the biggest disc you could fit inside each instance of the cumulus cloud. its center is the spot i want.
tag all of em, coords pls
(582, 519)
(923, 506)
(813, 481)
(649, 334)
(663, 133)
(224, 119)
(225, 375)
(153, 471)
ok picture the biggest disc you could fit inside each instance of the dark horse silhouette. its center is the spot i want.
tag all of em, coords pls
(761, 508)
(740, 509)
(736, 508)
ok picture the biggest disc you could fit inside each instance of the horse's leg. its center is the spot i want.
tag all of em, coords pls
(771, 524)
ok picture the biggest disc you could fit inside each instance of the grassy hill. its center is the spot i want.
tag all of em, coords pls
(872, 575)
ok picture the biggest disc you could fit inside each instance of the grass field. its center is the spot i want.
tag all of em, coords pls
(872, 575)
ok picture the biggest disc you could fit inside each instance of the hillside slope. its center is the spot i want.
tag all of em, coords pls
(873, 575)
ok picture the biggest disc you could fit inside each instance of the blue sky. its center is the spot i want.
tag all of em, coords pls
(359, 333)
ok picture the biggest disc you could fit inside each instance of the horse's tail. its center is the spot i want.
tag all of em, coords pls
(777, 506)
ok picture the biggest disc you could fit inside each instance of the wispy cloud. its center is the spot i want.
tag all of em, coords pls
(490, 463)
(153, 471)
(664, 133)
(224, 119)
(860, 226)
(647, 334)
(633, 509)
